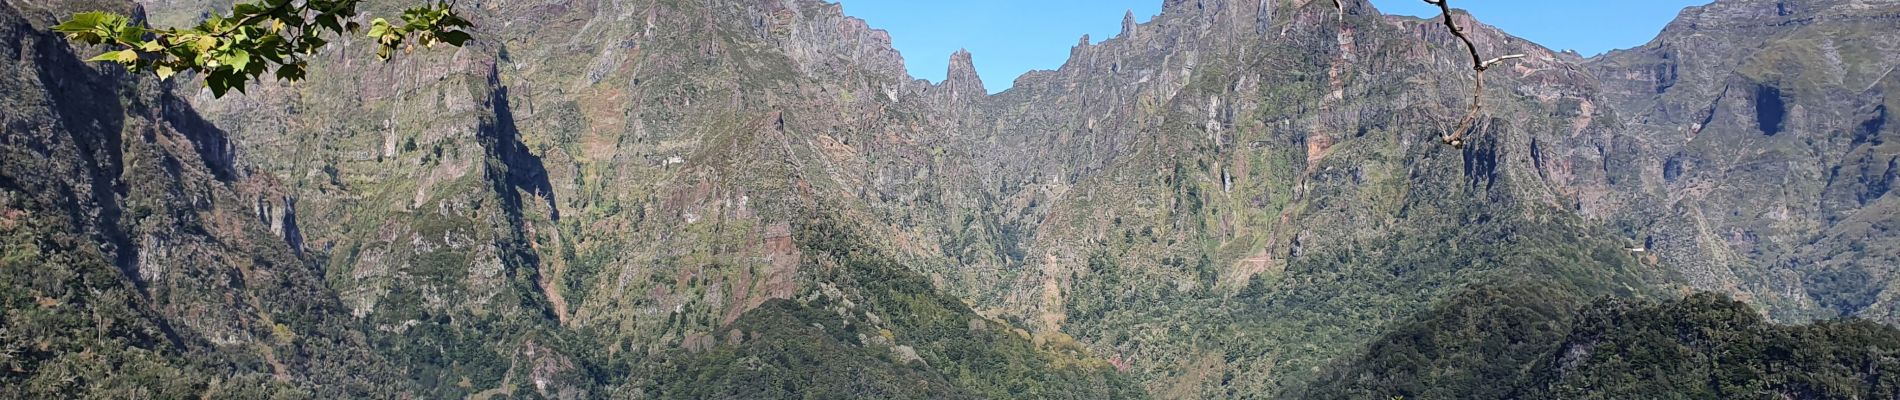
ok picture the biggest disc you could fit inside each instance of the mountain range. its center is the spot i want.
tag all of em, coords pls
(752, 199)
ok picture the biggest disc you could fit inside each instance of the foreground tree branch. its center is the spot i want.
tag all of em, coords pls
(1457, 137)
(230, 50)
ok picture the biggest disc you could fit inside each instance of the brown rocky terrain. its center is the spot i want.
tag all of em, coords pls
(750, 198)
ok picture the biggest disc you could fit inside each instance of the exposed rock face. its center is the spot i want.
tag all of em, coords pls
(1163, 177)
(1764, 143)
(649, 172)
(962, 81)
(142, 257)
(599, 194)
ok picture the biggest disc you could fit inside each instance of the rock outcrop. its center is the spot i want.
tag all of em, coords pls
(1762, 143)
(611, 198)
(142, 257)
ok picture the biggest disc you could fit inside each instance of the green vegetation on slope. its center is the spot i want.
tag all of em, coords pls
(880, 330)
(1532, 341)
(1195, 203)
(72, 327)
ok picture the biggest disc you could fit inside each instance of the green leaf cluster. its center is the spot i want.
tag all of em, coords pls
(255, 38)
(430, 25)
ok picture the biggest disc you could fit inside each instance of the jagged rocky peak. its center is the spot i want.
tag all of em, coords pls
(817, 34)
(1189, 10)
(1744, 14)
(962, 79)
(1128, 24)
(736, 170)
(1674, 79)
(1172, 5)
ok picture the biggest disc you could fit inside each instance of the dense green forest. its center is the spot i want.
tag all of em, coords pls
(1528, 341)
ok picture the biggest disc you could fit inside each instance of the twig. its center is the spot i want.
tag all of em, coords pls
(1342, 10)
(1478, 64)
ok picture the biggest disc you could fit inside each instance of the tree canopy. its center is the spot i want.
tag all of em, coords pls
(235, 48)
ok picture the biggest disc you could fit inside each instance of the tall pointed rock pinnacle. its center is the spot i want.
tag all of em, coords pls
(962, 78)
(1128, 24)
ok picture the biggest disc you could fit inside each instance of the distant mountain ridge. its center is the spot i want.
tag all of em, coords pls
(751, 199)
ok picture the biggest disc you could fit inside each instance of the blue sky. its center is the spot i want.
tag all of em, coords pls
(1009, 37)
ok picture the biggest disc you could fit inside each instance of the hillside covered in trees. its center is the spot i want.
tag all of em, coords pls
(1530, 342)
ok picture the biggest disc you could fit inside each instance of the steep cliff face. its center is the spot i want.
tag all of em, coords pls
(1764, 139)
(141, 257)
(1228, 156)
(638, 178)
(1227, 196)
(750, 198)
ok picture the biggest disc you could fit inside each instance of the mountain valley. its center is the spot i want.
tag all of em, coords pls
(753, 199)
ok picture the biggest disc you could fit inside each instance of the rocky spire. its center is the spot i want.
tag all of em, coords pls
(1263, 17)
(962, 79)
(1128, 24)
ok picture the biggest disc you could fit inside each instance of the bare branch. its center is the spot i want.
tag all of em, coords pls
(1342, 10)
(1488, 63)
(1478, 64)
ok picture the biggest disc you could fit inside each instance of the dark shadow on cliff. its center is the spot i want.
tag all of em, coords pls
(80, 139)
(87, 105)
(512, 170)
(213, 144)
